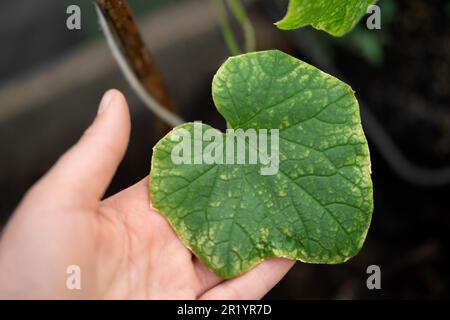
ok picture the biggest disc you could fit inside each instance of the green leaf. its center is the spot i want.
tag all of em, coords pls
(316, 209)
(336, 17)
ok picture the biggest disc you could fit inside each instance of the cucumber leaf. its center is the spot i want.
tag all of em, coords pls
(316, 208)
(337, 17)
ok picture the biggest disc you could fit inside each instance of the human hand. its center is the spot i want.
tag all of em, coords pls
(124, 248)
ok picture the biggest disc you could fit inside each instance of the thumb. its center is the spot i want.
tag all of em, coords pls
(86, 170)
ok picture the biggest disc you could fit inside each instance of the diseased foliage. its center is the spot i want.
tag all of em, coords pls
(317, 208)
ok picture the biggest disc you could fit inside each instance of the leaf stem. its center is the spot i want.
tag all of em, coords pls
(227, 32)
(243, 19)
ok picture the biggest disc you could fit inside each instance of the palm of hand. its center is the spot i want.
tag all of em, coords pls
(154, 264)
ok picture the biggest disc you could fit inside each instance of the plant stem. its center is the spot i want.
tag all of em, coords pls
(227, 32)
(242, 17)
(126, 33)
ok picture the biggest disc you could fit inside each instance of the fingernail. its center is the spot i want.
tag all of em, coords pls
(106, 101)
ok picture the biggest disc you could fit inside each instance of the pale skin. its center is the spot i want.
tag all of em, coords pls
(124, 248)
